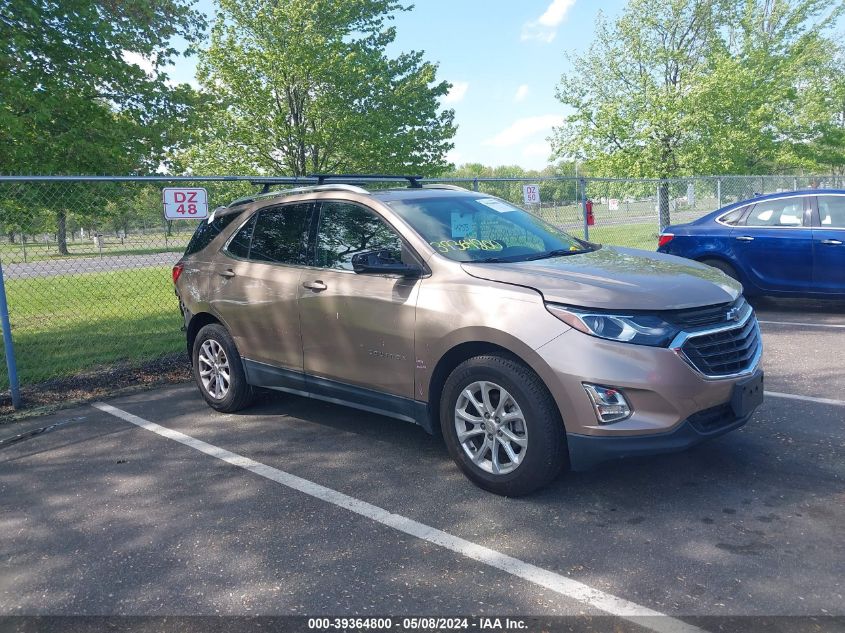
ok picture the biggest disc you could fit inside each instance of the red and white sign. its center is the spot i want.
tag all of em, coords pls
(184, 204)
(531, 194)
(613, 204)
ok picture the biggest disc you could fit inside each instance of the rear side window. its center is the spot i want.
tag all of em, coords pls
(238, 246)
(832, 212)
(207, 231)
(784, 212)
(281, 235)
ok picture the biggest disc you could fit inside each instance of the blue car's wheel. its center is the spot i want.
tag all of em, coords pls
(725, 267)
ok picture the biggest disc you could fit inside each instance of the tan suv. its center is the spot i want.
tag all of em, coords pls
(529, 349)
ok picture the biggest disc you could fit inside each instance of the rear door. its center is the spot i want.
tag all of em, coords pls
(256, 284)
(829, 244)
(774, 244)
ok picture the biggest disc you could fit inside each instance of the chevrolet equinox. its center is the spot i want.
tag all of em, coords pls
(529, 350)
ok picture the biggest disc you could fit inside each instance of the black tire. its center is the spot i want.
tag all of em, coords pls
(545, 454)
(239, 394)
(725, 267)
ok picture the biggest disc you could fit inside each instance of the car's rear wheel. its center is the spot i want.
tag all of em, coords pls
(501, 425)
(725, 267)
(218, 370)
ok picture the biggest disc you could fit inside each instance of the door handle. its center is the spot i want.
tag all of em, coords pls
(229, 273)
(745, 238)
(316, 286)
(832, 242)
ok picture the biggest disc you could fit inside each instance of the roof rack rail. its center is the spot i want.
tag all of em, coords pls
(435, 185)
(266, 183)
(332, 187)
(295, 190)
(413, 181)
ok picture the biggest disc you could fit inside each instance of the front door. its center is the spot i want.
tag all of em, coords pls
(829, 245)
(357, 329)
(775, 245)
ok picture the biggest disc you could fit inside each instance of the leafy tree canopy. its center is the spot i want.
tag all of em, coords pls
(306, 86)
(681, 87)
(70, 102)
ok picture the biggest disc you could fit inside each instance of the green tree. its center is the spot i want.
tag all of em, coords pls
(306, 86)
(71, 103)
(682, 87)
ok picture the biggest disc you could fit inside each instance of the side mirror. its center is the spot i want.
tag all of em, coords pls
(383, 262)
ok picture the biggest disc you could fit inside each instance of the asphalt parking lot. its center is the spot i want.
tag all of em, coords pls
(298, 507)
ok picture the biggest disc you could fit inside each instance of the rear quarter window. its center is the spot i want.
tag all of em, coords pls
(207, 231)
(732, 218)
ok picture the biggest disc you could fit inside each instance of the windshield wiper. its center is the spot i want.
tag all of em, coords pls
(526, 258)
(559, 252)
(495, 260)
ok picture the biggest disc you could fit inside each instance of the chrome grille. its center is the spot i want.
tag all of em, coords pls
(726, 350)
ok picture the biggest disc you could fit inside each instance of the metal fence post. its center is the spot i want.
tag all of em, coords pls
(8, 344)
(583, 182)
(719, 193)
(475, 184)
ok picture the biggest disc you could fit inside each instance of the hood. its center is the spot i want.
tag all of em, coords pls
(617, 279)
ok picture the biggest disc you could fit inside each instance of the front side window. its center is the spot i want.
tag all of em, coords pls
(346, 229)
(281, 235)
(832, 212)
(783, 212)
(482, 229)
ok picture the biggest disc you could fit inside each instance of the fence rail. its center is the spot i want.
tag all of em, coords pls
(87, 259)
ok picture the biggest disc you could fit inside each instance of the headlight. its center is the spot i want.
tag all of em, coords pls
(642, 329)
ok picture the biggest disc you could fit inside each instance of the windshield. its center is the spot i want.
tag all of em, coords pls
(485, 229)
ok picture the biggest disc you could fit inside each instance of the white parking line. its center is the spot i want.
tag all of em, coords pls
(833, 325)
(562, 585)
(795, 396)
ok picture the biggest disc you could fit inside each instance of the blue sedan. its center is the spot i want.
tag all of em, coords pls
(782, 244)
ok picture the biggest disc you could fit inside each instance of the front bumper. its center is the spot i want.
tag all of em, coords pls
(588, 451)
(674, 406)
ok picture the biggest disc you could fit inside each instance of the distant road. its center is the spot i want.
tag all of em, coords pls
(79, 265)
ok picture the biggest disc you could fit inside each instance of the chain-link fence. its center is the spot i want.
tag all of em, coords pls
(87, 260)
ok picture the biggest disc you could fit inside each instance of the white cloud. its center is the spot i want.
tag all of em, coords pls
(457, 92)
(139, 60)
(544, 28)
(521, 93)
(522, 129)
(537, 150)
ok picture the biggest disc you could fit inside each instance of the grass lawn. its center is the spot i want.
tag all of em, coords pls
(65, 324)
(634, 235)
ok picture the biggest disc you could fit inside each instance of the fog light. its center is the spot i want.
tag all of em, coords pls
(609, 403)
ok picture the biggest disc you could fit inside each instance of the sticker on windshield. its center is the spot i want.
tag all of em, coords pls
(472, 244)
(462, 224)
(497, 205)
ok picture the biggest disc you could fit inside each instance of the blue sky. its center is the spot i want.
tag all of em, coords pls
(504, 57)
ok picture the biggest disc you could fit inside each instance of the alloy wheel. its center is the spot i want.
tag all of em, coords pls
(214, 369)
(490, 427)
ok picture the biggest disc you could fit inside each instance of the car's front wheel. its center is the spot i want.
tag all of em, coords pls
(218, 370)
(501, 425)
